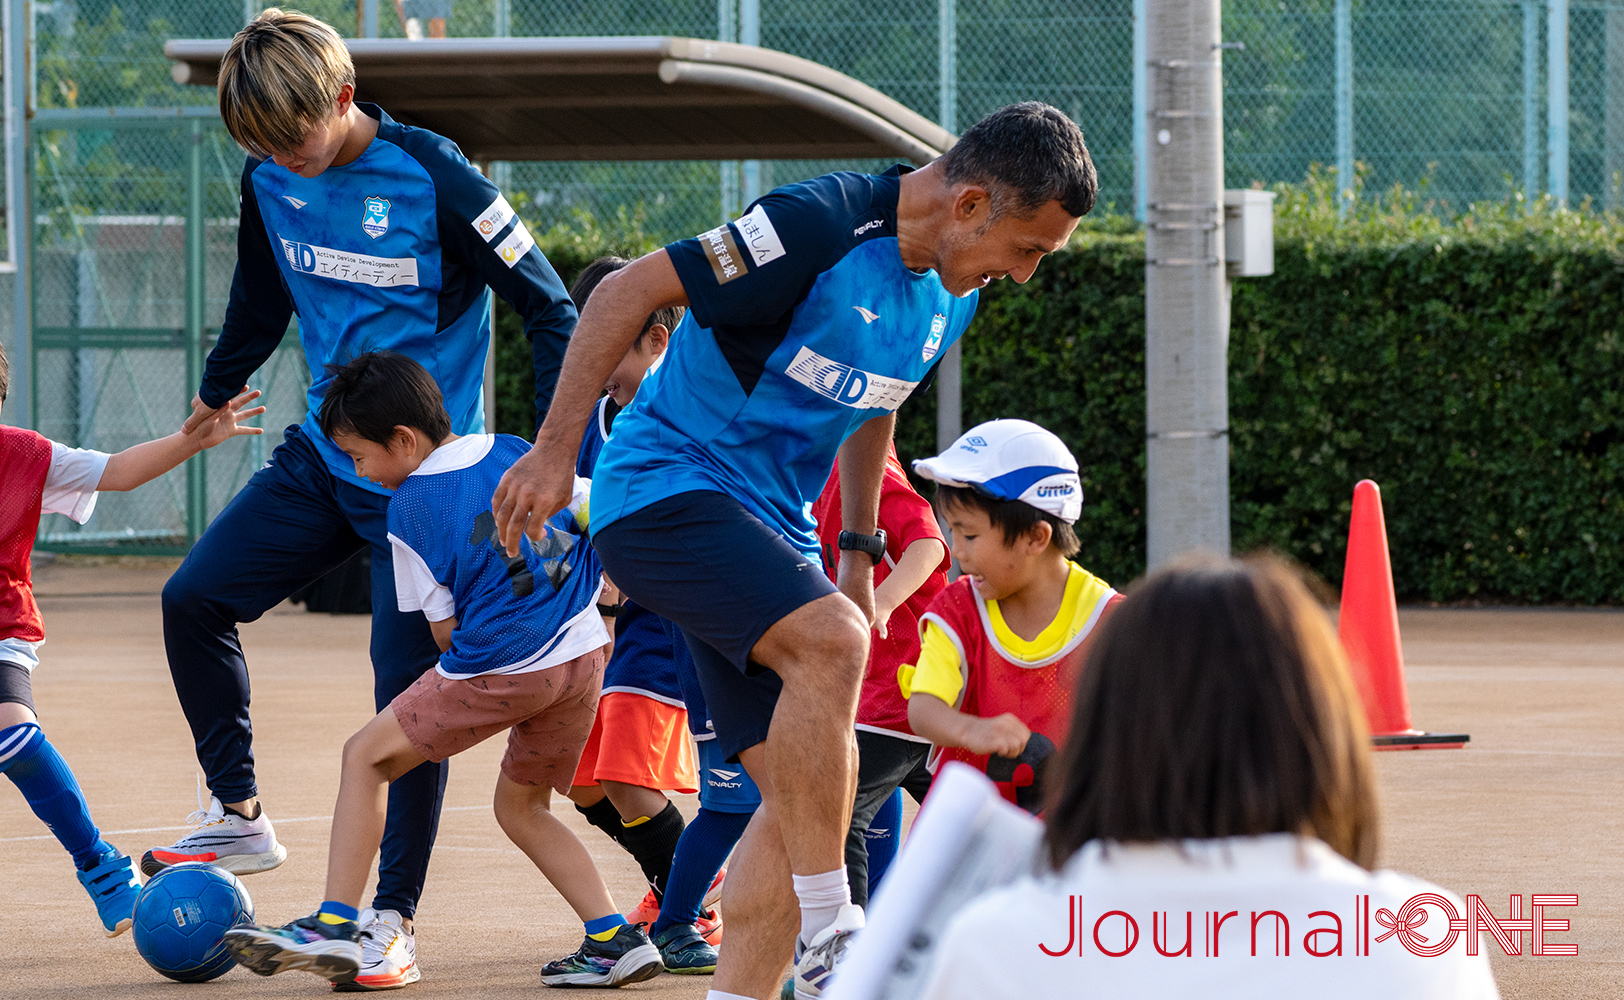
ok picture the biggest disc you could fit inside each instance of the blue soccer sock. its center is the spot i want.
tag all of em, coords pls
(705, 844)
(40, 773)
(883, 835)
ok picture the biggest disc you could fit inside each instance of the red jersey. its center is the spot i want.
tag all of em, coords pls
(25, 461)
(1038, 693)
(906, 517)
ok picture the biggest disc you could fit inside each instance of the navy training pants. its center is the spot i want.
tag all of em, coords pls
(291, 523)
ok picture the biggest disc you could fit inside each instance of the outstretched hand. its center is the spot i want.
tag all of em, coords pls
(207, 427)
(532, 490)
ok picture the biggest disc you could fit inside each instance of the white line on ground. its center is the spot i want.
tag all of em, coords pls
(167, 829)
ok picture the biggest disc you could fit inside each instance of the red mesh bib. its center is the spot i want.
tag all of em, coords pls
(25, 460)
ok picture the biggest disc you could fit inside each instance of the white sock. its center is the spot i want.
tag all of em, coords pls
(821, 898)
(719, 995)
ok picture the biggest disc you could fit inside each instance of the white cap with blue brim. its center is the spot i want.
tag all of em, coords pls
(1011, 460)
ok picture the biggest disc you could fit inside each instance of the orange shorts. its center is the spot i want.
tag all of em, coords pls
(548, 714)
(647, 745)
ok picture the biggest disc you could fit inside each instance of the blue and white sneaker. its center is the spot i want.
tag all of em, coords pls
(815, 965)
(331, 951)
(113, 887)
(628, 957)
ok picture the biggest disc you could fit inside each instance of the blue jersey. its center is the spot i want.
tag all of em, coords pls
(644, 661)
(396, 250)
(513, 615)
(803, 324)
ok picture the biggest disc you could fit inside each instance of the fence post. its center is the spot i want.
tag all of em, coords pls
(1141, 108)
(1613, 115)
(197, 493)
(949, 373)
(1556, 96)
(750, 34)
(1344, 105)
(1530, 98)
(727, 30)
(19, 224)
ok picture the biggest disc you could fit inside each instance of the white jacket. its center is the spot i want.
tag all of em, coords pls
(1099, 928)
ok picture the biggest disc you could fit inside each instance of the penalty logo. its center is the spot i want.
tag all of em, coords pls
(933, 343)
(375, 220)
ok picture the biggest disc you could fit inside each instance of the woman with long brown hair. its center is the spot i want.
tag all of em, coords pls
(1212, 821)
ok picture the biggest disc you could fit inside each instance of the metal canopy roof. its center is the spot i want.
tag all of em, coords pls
(618, 98)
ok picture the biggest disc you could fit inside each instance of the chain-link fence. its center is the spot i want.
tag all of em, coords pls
(135, 240)
(1451, 96)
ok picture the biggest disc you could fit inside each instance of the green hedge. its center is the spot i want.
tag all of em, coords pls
(1474, 368)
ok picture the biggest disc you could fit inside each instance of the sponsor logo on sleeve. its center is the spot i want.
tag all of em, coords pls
(865, 227)
(846, 385)
(723, 253)
(375, 218)
(760, 238)
(517, 244)
(356, 268)
(933, 343)
(491, 221)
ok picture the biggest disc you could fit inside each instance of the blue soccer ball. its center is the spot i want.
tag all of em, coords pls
(181, 919)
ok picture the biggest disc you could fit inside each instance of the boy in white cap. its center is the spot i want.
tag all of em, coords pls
(1002, 644)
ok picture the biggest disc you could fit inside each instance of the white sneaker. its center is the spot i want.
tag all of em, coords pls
(815, 965)
(388, 954)
(240, 846)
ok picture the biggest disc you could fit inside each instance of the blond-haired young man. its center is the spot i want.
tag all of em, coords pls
(381, 237)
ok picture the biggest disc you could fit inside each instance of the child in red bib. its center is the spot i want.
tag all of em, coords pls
(1001, 645)
(907, 576)
(40, 477)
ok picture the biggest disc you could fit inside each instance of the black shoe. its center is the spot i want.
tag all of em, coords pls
(684, 952)
(628, 957)
(331, 951)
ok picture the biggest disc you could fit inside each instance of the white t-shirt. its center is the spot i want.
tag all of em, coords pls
(991, 950)
(70, 488)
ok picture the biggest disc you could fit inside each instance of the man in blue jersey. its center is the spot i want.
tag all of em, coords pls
(378, 236)
(810, 320)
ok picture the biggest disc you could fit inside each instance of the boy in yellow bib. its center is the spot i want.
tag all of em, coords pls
(1001, 646)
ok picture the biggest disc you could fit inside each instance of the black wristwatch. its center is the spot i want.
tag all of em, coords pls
(874, 545)
(609, 610)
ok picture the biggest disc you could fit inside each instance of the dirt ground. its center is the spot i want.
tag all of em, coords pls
(1534, 804)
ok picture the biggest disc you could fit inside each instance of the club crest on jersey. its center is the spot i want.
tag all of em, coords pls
(933, 343)
(375, 220)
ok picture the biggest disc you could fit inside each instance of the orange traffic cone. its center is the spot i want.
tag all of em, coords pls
(1368, 628)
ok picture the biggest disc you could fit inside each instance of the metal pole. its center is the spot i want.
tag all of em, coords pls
(1141, 124)
(197, 484)
(750, 34)
(20, 410)
(1556, 96)
(1530, 98)
(950, 370)
(1186, 292)
(369, 18)
(1613, 113)
(501, 18)
(1344, 105)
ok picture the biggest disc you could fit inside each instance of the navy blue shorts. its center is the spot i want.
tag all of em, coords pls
(724, 577)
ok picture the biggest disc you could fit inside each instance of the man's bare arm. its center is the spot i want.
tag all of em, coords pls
(539, 484)
(862, 469)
